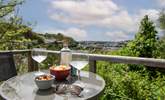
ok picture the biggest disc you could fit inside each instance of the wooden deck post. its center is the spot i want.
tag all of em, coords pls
(92, 66)
(32, 65)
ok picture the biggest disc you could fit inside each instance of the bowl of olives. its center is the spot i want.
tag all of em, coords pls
(44, 81)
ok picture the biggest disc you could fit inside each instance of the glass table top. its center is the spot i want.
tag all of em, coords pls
(23, 87)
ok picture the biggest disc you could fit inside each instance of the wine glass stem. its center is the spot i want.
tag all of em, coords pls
(39, 65)
(79, 78)
(39, 69)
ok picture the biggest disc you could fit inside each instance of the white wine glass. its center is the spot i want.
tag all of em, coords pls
(39, 55)
(79, 60)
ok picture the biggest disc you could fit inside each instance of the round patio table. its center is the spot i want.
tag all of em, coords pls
(23, 87)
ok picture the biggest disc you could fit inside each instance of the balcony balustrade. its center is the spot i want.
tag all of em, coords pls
(93, 58)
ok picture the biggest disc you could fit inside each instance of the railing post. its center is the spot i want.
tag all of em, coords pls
(32, 65)
(92, 66)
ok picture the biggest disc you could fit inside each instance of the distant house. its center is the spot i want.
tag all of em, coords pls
(49, 41)
(105, 45)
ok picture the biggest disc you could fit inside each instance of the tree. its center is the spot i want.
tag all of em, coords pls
(161, 46)
(11, 27)
(14, 33)
(7, 7)
(12, 36)
(162, 19)
(144, 44)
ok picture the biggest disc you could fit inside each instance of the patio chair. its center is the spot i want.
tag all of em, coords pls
(1, 98)
(7, 66)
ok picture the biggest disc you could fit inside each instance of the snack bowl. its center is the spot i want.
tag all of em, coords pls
(60, 72)
(44, 81)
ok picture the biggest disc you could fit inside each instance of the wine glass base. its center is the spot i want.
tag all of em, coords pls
(79, 83)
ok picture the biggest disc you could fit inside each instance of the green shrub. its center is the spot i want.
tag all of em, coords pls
(122, 84)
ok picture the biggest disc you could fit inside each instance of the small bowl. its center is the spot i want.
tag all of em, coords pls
(60, 74)
(45, 83)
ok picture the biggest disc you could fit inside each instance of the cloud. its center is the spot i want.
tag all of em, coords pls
(77, 34)
(86, 7)
(121, 21)
(161, 2)
(131, 28)
(100, 13)
(117, 35)
(88, 12)
(152, 13)
(131, 23)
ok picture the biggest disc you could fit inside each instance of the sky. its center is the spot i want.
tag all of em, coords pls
(90, 20)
